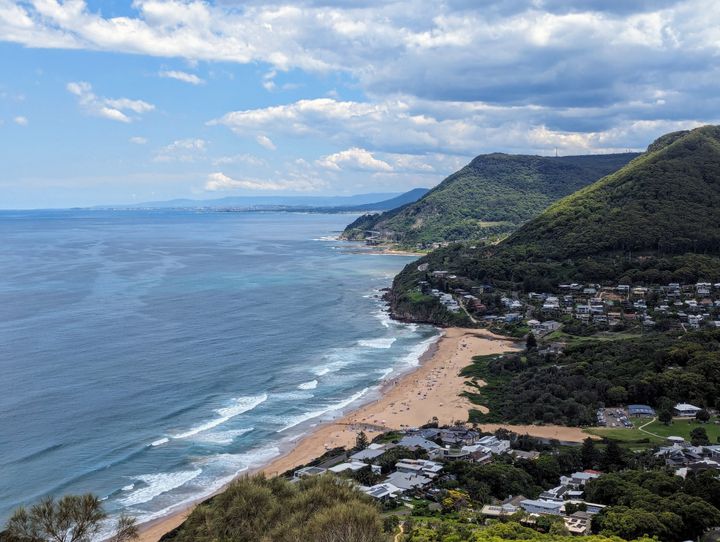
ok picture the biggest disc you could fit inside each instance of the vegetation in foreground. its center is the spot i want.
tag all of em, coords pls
(257, 509)
(73, 518)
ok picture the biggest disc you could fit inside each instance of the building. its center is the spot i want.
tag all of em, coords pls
(542, 507)
(407, 482)
(643, 411)
(308, 471)
(686, 410)
(579, 523)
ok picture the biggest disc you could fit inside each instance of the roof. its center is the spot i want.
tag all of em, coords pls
(407, 481)
(686, 406)
(537, 503)
(367, 454)
(418, 442)
(640, 409)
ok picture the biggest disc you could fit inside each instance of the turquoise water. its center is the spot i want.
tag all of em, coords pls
(148, 357)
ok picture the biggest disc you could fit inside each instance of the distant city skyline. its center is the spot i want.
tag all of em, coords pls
(112, 102)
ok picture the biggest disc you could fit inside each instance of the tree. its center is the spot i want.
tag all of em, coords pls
(588, 453)
(612, 458)
(665, 415)
(73, 518)
(361, 441)
(531, 341)
(698, 437)
(702, 416)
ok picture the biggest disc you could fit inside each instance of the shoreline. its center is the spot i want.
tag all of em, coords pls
(431, 389)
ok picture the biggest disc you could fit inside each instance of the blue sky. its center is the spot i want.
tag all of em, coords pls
(107, 102)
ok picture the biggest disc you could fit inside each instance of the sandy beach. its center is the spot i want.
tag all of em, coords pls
(432, 390)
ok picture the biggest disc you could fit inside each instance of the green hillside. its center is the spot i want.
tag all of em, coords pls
(493, 194)
(656, 220)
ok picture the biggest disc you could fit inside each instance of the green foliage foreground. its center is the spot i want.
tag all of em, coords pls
(443, 531)
(256, 509)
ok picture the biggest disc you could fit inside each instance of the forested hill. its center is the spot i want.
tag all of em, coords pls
(493, 194)
(656, 220)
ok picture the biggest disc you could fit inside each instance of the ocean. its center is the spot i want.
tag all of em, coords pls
(150, 356)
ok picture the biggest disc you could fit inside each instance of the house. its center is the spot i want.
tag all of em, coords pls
(419, 466)
(686, 410)
(496, 511)
(352, 466)
(549, 327)
(542, 507)
(494, 445)
(579, 479)
(407, 482)
(308, 471)
(368, 454)
(413, 442)
(382, 491)
(579, 523)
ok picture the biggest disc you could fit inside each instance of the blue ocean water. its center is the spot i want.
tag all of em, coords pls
(148, 357)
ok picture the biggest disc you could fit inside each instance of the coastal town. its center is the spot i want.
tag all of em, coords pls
(675, 305)
(418, 473)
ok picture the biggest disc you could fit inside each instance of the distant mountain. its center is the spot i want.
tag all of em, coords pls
(365, 201)
(655, 221)
(493, 194)
(410, 196)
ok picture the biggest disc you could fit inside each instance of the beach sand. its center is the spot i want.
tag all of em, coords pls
(432, 390)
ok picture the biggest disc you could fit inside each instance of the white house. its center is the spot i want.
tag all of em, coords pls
(686, 410)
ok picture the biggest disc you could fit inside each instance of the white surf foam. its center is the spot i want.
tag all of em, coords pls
(412, 358)
(381, 343)
(297, 420)
(157, 484)
(160, 442)
(239, 406)
(223, 437)
(311, 385)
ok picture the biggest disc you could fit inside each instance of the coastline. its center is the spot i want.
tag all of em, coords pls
(429, 390)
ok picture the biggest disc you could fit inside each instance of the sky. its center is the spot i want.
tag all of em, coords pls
(113, 102)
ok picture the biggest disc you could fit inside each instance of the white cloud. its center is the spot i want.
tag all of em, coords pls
(354, 158)
(247, 159)
(182, 76)
(220, 181)
(109, 108)
(138, 140)
(182, 150)
(20, 120)
(266, 142)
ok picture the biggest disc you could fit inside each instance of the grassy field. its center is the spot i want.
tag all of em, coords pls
(636, 439)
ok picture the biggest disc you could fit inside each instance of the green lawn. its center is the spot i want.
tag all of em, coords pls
(682, 428)
(634, 438)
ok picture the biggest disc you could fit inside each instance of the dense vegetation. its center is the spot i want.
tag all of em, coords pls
(323, 509)
(493, 194)
(656, 220)
(655, 503)
(658, 369)
(445, 531)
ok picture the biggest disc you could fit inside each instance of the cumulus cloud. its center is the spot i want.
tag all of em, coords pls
(20, 120)
(354, 158)
(118, 109)
(185, 77)
(182, 150)
(409, 126)
(266, 142)
(220, 181)
(138, 140)
(455, 76)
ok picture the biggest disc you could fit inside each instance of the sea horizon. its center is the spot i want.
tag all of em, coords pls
(158, 354)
